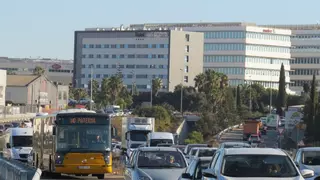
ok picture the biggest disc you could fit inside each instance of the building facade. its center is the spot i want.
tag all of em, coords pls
(56, 70)
(243, 51)
(3, 85)
(305, 53)
(173, 56)
(35, 90)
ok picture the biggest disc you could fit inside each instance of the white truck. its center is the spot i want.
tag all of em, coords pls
(16, 143)
(135, 132)
(272, 121)
(160, 139)
(117, 111)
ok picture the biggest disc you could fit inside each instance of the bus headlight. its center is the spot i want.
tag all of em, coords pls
(59, 158)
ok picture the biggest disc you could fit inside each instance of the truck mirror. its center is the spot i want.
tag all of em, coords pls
(53, 130)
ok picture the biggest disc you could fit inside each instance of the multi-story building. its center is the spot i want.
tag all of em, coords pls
(243, 51)
(56, 70)
(174, 56)
(305, 53)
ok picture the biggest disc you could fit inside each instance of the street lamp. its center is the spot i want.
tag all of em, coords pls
(270, 106)
(151, 92)
(181, 98)
(250, 101)
(91, 68)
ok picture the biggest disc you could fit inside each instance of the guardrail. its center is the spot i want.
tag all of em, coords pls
(11, 170)
(218, 136)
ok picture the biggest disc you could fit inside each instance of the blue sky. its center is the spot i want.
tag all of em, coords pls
(46, 28)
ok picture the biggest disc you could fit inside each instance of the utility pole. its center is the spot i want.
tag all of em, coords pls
(270, 106)
(91, 86)
(181, 98)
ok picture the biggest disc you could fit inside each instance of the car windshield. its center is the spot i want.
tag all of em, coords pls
(7, 125)
(161, 159)
(189, 147)
(311, 158)
(258, 166)
(155, 142)
(21, 141)
(83, 137)
(139, 135)
(206, 152)
(15, 124)
(193, 151)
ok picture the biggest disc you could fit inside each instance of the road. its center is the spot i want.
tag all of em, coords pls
(65, 177)
(269, 140)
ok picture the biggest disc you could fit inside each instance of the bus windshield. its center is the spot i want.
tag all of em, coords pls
(78, 138)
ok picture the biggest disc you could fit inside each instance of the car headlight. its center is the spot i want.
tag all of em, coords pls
(107, 158)
(144, 178)
(59, 158)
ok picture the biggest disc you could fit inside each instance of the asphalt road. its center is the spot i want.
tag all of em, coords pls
(269, 140)
(107, 176)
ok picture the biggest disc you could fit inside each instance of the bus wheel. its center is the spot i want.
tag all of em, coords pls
(100, 176)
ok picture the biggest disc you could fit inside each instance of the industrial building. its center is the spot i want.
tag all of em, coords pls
(174, 56)
(56, 70)
(244, 51)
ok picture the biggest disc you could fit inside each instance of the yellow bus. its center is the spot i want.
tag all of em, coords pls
(75, 142)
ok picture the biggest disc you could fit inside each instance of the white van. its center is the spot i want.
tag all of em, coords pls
(155, 138)
(16, 143)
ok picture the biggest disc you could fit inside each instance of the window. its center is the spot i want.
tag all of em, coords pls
(21, 141)
(106, 66)
(113, 46)
(91, 45)
(186, 69)
(98, 66)
(83, 66)
(114, 56)
(131, 45)
(153, 56)
(83, 56)
(141, 76)
(131, 56)
(106, 56)
(99, 56)
(187, 48)
(98, 45)
(161, 45)
(186, 58)
(65, 95)
(98, 75)
(311, 158)
(154, 46)
(214, 160)
(121, 56)
(91, 56)
(121, 45)
(83, 75)
(60, 95)
(106, 46)
(105, 76)
(145, 157)
(84, 46)
(185, 79)
(130, 66)
(187, 37)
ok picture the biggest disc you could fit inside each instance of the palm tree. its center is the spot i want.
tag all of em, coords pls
(156, 86)
(115, 85)
(200, 81)
(38, 70)
(80, 94)
(104, 93)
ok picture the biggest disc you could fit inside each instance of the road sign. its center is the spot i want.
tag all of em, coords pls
(280, 130)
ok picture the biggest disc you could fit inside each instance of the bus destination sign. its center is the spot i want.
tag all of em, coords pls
(85, 120)
(80, 120)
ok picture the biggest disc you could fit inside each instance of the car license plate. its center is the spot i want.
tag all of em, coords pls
(84, 167)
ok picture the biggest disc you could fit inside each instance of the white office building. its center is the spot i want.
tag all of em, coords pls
(305, 53)
(243, 51)
(140, 56)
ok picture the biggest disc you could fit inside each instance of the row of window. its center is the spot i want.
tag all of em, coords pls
(299, 82)
(128, 76)
(242, 59)
(126, 56)
(243, 34)
(307, 36)
(128, 66)
(61, 70)
(305, 50)
(120, 46)
(236, 82)
(306, 47)
(305, 72)
(236, 70)
(310, 60)
(242, 47)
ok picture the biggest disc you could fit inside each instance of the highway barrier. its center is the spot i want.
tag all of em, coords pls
(218, 136)
(16, 170)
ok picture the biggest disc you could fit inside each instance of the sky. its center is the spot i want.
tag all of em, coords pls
(45, 28)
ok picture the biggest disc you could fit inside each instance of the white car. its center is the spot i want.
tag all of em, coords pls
(253, 164)
(309, 158)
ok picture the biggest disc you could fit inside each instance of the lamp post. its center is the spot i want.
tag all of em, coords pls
(91, 68)
(151, 92)
(270, 106)
(181, 95)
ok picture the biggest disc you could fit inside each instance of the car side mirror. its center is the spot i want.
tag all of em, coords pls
(307, 173)
(209, 173)
(186, 176)
(8, 145)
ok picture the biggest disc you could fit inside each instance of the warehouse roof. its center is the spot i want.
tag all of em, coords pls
(20, 80)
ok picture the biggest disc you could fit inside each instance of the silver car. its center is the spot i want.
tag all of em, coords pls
(309, 158)
(234, 145)
(254, 164)
(159, 163)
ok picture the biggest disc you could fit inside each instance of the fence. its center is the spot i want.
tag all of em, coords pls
(15, 170)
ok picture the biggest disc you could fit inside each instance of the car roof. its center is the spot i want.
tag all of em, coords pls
(209, 148)
(205, 158)
(310, 149)
(254, 151)
(234, 143)
(157, 149)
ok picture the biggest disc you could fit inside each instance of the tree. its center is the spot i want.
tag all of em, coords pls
(156, 86)
(114, 87)
(80, 94)
(95, 90)
(311, 109)
(38, 70)
(134, 90)
(194, 138)
(104, 93)
(238, 97)
(281, 98)
(306, 88)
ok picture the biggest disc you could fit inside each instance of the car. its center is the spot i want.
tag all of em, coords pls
(15, 124)
(258, 163)
(164, 145)
(254, 140)
(190, 146)
(160, 163)
(205, 152)
(191, 154)
(6, 126)
(181, 147)
(194, 170)
(308, 158)
(234, 145)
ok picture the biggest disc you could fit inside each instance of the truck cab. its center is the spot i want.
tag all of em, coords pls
(156, 138)
(135, 132)
(16, 143)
